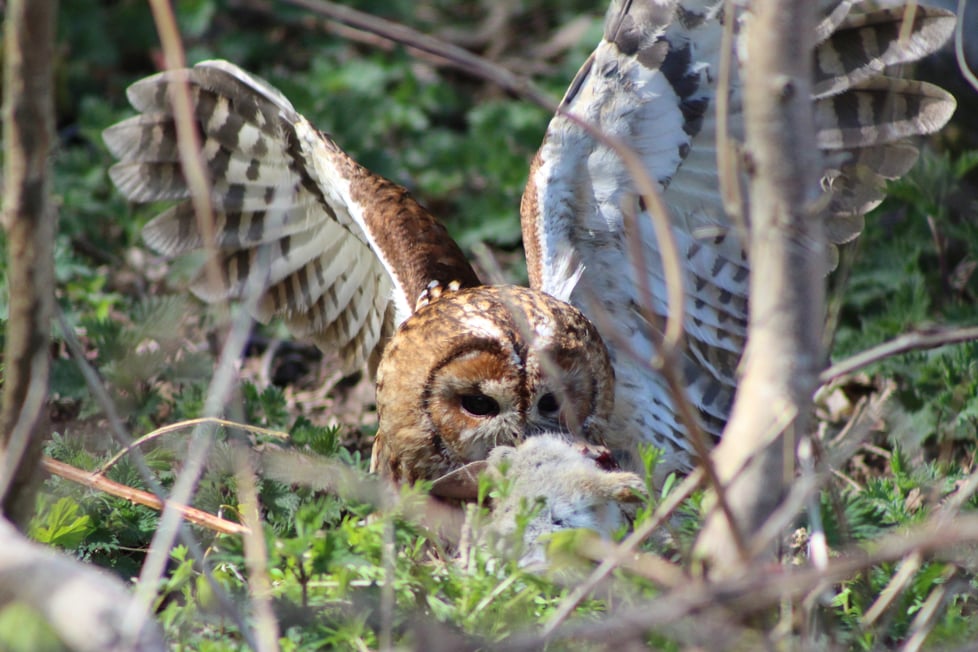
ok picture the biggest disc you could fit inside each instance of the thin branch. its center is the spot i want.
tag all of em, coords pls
(619, 555)
(118, 430)
(963, 66)
(182, 425)
(915, 341)
(894, 588)
(752, 593)
(267, 629)
(520, 86)
(94, 480)
(188, 137)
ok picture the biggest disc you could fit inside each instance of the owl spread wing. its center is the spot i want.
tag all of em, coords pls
(316, 237)
(652, 83)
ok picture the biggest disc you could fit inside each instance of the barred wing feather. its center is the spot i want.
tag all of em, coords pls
(652, 83)
(316, 236)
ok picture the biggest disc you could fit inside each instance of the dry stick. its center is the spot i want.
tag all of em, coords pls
(388, 599)
(217, 396)
(118, 431)
(923, 623)
(189, 146)
(763, 589)
(193, 168)
(963, 66)
(180, 425)
(95, 480)
(649, 566)
(915, 341)
(729, 176)
(85, 606)
(905, 573)
(256, 554)
(672, 335)
(484, 69)
(805, 487)
(322, 474)
(786, 297)
(623, 551)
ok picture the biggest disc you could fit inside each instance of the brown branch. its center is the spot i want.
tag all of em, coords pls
(118, 430)
(183, 425)
(29, 222)
(915, 341)
(188, 139)
(484, 69)
(140, 497)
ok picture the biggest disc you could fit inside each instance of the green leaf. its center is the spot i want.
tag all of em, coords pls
(62, 526)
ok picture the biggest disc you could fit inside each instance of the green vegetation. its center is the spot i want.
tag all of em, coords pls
(344, 575)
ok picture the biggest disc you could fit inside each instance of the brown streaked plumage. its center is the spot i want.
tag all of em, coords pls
(319, 237)
(486, 367)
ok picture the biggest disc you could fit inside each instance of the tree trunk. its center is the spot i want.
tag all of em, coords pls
(29, 221)
(754, 459)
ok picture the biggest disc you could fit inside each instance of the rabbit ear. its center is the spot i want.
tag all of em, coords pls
(460, 484)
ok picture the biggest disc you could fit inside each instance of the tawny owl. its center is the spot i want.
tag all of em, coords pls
(349, 260)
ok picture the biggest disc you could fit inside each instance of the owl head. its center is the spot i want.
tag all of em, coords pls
(486, 367)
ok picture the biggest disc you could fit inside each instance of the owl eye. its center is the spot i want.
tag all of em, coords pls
(548, 403)
(480, 405)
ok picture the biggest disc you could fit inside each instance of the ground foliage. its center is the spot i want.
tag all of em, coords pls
(463, 147)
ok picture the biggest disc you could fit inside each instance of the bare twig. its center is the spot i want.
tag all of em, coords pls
(484, 69)
(670, 342)
(754, 592)
(188, 138)
(182, 425)
(256, 554)
(95, 480)
(619, 555)
(963, 66)
(925, 619)
(894, 588)
(915, 341)
(194, 170)
(727, 164)
(118, 431)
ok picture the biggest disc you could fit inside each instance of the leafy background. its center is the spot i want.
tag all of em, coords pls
(462, 146)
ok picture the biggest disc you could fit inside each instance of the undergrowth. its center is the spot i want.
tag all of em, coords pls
(463, 147)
